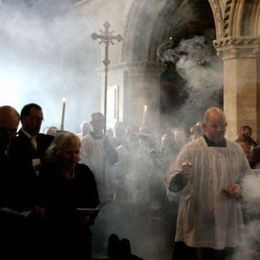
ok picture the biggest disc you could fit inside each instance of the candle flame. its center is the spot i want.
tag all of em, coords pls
(64, 99)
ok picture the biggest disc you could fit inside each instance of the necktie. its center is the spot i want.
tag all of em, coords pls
(34, 142)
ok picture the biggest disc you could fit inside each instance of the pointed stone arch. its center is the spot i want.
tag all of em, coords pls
(236, 18)
(139, 23)
(218, 17)
(238, 44)
(245, 18)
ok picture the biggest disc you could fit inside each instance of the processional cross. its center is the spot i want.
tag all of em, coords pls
(107, 38)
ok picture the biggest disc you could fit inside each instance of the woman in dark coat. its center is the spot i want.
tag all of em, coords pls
(69, 198)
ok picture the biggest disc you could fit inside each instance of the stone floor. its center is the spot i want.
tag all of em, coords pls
(150, 232)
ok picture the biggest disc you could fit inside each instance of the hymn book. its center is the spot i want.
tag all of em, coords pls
(92, 210)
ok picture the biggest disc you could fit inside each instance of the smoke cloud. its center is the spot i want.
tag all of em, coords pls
(251, 197)
(46, 54)
(197, 63)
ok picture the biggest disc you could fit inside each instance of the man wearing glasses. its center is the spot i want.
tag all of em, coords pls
(207, 175)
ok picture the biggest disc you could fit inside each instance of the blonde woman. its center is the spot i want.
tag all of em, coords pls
(66, 187)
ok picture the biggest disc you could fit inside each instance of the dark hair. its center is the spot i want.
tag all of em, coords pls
(96, 114)
(27, 109)
(246, 127)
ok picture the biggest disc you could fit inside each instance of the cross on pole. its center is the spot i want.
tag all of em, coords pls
(107, 38)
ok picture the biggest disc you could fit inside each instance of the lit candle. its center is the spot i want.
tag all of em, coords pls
(144, 114)
(63, 113)
(175, 135)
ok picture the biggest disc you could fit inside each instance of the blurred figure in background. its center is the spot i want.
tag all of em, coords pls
(196, 131)
(246, 141)
(255, 157)
(125, 168)
(120, 133)
(51, 130)
(98, 153)
(85, 128)
(111, 135)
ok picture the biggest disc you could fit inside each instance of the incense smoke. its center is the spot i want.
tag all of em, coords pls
(46, 54)
(197, 63)
(251, 198)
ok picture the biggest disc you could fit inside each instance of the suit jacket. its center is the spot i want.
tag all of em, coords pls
(25, 175)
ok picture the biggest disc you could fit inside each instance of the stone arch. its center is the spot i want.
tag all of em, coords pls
(129, 30)
(218, 17)
(235, 18)
(247, 18)
(173, 89)
(140, 21)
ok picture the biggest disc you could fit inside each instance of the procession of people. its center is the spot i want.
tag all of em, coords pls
(64, 194)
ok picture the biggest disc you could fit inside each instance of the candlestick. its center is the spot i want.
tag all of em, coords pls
(175, 135)
(63, 113)
(144, 114)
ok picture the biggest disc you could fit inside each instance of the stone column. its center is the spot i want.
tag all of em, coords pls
(240, 80)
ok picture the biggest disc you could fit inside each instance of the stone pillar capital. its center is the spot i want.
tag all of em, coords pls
(237, 47)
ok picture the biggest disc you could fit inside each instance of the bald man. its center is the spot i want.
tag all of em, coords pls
(9, 120)
(9, 224)
(207, 175)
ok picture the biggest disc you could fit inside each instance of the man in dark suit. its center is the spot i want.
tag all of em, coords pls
(26, 153)
(9, 120)
(10, 225)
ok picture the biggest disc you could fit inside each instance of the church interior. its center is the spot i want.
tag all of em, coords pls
(153, 63)
(174, 57)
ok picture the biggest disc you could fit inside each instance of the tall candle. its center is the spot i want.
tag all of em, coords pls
(63, 113)
(175, 135)
(144, 114)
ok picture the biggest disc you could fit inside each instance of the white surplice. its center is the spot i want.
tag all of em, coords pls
(93, 155)
(206, 217)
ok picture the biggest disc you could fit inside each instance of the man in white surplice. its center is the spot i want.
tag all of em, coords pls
(207, 175)
(98, 153)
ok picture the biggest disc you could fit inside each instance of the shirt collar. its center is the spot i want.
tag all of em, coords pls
(210, 143)
(96, 136)
(27, 134)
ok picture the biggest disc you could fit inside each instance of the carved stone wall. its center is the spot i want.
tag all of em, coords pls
(237, 42)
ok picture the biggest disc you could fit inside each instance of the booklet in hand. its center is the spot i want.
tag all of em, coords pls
(24, 214)
(92, 210)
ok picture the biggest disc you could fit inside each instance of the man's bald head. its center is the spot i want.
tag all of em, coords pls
(214, 112)
(214, 124)
(9, 121)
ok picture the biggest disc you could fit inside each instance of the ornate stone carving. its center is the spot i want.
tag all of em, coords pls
(216, 9)
(227, 18)
(229, 48)
(237, 41)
